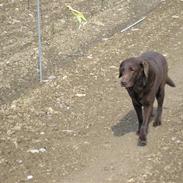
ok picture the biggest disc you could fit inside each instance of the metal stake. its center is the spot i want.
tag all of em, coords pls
(40, 70)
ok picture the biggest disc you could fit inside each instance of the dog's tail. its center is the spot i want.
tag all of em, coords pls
(170, 82)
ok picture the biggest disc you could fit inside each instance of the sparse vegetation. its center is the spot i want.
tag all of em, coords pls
(78, 15)
(78, 127)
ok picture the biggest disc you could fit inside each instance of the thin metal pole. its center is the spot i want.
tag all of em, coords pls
(130, 26)
(40, 68)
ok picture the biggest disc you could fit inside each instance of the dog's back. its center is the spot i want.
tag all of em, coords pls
(156, 61)
(159, 65)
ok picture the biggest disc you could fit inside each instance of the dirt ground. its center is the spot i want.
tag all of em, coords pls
(79, 125)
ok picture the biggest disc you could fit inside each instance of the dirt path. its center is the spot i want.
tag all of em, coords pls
(80, 127)
(119, 159)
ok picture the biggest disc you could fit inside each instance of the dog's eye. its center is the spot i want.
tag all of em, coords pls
(132, 69)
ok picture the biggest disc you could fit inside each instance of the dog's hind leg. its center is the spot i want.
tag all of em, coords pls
(160, 98)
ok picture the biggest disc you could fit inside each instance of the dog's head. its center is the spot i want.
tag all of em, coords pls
(133, 70)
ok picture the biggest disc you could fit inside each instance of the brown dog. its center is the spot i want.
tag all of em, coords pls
(144, 78)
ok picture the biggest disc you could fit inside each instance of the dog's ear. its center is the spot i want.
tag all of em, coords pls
(120, 72)
(145, 67)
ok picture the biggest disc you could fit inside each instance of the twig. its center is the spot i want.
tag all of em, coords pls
(130, 26)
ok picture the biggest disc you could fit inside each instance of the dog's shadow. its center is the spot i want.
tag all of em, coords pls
(129, 123)
(126, 125)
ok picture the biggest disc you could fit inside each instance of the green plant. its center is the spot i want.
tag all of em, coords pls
(79, 15)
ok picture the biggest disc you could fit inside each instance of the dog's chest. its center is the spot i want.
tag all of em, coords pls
(138, 97)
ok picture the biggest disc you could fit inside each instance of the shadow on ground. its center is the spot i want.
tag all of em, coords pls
(126, 125)
(129, 123)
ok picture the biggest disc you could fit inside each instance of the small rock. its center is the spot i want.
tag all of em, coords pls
(165, 148)
(42, 150)
(65, 77)
(175, 16)
(13, 106)
(178, 141)
(51, 111)
(131, 180)
(134, 29)
(90, 56)
(105, 39)
(42, 133)
(68, 131)
(19, 161)
(113, 67)
(17, 127)
(80, 95)
(33, 151)
(144, 175)
(31, 15)
(29, 177)
(10, 132)
(51, 77)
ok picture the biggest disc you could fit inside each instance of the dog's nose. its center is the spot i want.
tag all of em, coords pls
(123, 83)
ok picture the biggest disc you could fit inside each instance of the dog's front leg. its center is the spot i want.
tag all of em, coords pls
(138, 109)
(144, 128)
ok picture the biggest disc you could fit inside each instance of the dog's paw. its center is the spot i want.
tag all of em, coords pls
(157, 123)
(142, 142)
(142, 137)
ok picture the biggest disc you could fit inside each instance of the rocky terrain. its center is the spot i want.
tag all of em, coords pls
(78, 126)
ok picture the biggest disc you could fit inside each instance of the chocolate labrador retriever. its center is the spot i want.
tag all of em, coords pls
(144, 78)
